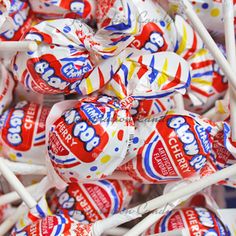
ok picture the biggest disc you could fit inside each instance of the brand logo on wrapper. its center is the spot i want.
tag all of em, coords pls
(20, 14)
(151, 39)
(77, 134)
(93, 201)
(197, 221)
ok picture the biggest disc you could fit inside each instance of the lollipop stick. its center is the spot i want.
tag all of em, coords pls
(166, 199)
(24, 168)
(178, 232)
(13, 196)
(230, 49)
(210, 43)
(17, 185)
(179, 100)
(18, 46)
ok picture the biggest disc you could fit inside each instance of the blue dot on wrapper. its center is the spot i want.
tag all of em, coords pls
(18, 154)
(70, 46)
(205, 5)
(66, 29)
(135, 140)
(30, 53)
(163, 24)
(116, 149)
(15, 67)
(93, 168)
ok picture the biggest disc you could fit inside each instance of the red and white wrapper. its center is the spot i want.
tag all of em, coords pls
(6, 88)
(89, 138)
(50, 9)
(92, 201)
(16, 20)
(169, 147)
(68, 52)
(195, 220)
(23, 132)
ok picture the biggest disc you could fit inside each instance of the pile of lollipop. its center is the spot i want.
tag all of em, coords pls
(119, 69)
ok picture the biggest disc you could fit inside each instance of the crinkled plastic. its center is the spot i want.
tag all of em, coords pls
(208, 82)
(149, 76)
(6, 88)
(144, 108)
(55, 225)
(4, 211)
(16, 20)
(89, 138)
(49, 9)
(92, 201)
(169, 147)
(23, 132)
(195, 220)
(68, 52)
(33, 215)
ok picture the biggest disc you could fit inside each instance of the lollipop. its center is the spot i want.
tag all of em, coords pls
(208, 82)
(90, 139)
(168, 147)
(195, 221)
(92, 201)
(23, 132)
(55, 225)
(68, 52)
(18, 19)
(49, 9)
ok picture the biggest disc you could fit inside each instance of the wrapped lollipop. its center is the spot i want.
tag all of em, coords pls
(49, 9)
(23, 132)
(192, 220)
(18, 19)
(208, 82)
(170, 146)
(4, 211)
(89, 138)
(92, 201)
(155, 30)
(6, 88)
(68, 53)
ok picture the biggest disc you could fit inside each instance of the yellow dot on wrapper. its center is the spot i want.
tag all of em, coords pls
(12, 157)
(0, 148)
(198, 10)
(113, 133)
(105, 159)
(98, 173)
(215, 12)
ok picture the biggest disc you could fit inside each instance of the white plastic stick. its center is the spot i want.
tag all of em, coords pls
(179, 101)
(230, 49)
(13, 196)
(100, 226)
(18, 46)
(24, 168)
(17, 185)
(117, 231)
(157, 214)
(209, 42)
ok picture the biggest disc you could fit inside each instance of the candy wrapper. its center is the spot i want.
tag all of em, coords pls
(68, 52)
(208, 82)
(92, 201)
(155, 30)
(23, 132)
(50, 9)
(89, 138)
(56, 225)
(170, 146)
(5, 211)
(144, 108)
(5, 20)
(6, 88)
(195, 221)
(149, 76)
(35, 214)
(16, 20)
